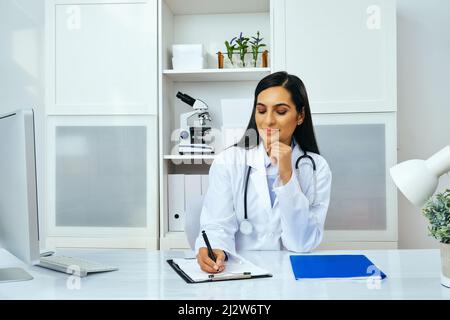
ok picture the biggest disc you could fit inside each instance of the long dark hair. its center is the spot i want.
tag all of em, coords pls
(304, 133)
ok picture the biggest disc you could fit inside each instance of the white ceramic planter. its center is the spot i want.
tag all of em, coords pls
(445, 264)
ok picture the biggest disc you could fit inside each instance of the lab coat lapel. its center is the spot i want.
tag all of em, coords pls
(258, 176)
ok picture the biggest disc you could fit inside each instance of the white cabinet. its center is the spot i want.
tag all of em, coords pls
(112, 111)
(102, 181)
(101, 57)
(101, 118)
(344, 51)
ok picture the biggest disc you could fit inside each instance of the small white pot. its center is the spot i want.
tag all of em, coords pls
(445, 264)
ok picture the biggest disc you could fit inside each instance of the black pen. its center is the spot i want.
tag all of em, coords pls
(211, 254)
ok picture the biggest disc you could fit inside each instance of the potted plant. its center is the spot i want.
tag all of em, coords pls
(231, 48)
(437, 211)
(242, 43)
(256, 45)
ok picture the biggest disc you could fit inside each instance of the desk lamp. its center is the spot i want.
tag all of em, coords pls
(418, 180)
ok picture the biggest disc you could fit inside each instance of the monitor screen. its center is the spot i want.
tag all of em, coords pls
(19, 229)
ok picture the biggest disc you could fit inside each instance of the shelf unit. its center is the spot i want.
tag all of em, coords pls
(209, 23)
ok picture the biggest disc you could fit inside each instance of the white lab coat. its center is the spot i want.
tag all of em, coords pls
(294, 223)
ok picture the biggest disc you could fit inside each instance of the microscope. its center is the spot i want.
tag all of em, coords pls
(192, 136)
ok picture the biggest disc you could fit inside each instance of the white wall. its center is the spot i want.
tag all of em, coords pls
(423, 99)
(22, 67)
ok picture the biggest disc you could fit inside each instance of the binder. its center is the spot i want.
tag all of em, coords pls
(236, 268)
(205, 183)
(356, 267)
(192, 188)
(175, 201)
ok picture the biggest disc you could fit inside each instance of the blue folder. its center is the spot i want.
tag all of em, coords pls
(334, 267)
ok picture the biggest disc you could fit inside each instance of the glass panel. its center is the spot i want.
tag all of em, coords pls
(101, 176)
(356, 155)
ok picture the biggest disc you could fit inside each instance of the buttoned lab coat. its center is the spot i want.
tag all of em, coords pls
(294, 223)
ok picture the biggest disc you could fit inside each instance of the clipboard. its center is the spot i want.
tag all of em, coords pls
(235, 269)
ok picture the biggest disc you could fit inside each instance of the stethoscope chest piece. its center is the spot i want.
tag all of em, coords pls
(246, 227)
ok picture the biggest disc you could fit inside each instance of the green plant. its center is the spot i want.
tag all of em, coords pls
(230, 49)
(437, 211)
(242, 47)
(256, 45)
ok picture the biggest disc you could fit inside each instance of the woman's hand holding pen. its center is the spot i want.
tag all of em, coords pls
(207, 264)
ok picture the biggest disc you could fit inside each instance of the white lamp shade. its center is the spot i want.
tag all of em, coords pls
(418, 179)
(415, 181)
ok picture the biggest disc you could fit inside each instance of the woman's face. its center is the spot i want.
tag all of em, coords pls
(276, 115)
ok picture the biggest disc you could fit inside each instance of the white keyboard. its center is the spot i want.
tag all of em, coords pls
(75, 266)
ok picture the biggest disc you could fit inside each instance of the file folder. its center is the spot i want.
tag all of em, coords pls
(357, 267)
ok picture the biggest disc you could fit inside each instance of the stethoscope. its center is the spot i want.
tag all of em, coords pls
(246, 226)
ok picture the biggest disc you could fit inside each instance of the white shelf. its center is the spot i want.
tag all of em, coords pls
(242, 74)
(188, 157)
(183, 7)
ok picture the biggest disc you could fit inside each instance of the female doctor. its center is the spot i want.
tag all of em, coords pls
(257, 199)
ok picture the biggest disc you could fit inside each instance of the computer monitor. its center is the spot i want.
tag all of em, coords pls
(19, 228)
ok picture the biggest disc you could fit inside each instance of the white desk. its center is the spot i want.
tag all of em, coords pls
(412, 274)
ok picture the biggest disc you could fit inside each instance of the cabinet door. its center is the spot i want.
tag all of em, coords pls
(101, 57)
(360, 149)
(344, 51)
(102, 180)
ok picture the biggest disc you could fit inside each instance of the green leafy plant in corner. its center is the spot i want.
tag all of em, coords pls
(437, 211)
(256, 45)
